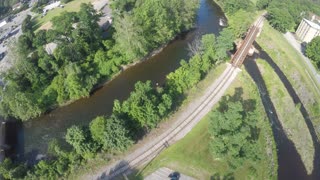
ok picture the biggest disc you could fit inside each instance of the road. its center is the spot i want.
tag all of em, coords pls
(296, 45)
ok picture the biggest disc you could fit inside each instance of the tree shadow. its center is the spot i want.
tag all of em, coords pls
(121, 171)
(290, 165)
(217, 176)
(249, 105)
(297, 101)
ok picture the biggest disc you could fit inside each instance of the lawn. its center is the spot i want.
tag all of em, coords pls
(295, 69)
(289, 115)
(44, 22)
(191, 155)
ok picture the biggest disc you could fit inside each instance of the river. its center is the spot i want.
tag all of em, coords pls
(31, 138)
(35, 134)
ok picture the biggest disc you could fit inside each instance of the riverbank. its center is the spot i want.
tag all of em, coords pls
(124, 68)
(36, 133)
(192, 95)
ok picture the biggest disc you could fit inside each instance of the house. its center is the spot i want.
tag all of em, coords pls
(308, 29)
(50, 47)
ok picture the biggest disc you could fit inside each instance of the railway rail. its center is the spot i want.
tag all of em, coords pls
(179, 130)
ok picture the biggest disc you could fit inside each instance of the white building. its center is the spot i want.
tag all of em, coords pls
(50, 47)
(51, 6)
(3, 23)
(308, 30)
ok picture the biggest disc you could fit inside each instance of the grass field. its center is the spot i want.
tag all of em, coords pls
(191, 155)
(289, 115)
(295, 69)
(44, 22)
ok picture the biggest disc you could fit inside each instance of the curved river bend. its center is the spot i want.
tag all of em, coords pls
(37, 133)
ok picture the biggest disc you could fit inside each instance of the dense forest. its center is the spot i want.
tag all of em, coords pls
(40, 80)
(285, 15)
(313, 51)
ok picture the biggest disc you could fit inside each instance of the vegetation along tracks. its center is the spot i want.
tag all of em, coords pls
(177, 131)
(183, 126)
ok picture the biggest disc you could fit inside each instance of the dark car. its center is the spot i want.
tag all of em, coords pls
(174, 176)
(2, 55)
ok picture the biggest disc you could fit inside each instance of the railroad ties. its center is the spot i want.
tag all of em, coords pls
(238, 58)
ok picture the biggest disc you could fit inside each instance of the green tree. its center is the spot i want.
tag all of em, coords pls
(262, 4)
(313, 51)
(64, 24)
(233, 134)
(110, 133)
(224, 43)
(140, 107)
(130, 37)
(10, 170)
(239, 28)
(81, 141)
(232, 6)
(40, 38)
(280, 19)
(26, 24)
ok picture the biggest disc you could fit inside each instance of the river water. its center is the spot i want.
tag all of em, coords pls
(36, 133)
(31, 138)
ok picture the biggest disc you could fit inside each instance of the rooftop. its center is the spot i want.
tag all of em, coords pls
(312, 24)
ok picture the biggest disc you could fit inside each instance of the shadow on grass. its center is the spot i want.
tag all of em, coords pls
(218, 176)
(297, 101)
(289, 161)
(120, 171)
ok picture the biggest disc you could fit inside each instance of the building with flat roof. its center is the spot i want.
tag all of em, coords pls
(308, 30)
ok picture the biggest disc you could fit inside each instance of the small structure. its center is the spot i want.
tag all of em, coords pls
(50, 47)
(105, 22)
(308, 30)
(51, 6)
(3, 23)
(17, 6)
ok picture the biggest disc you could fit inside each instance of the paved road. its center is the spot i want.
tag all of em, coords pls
(294, 43)
(164, 174)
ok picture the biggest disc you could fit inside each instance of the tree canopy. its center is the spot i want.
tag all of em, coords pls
(285, 15)
(64, 63)
(313, 51)
(234, 133)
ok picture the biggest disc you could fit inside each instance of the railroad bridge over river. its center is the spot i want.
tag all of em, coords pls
(238, 58)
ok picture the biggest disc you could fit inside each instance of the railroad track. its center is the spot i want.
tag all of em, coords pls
(178, 131)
